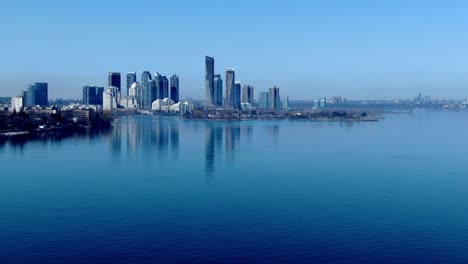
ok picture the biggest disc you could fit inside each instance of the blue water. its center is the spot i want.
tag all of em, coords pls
(160, 190)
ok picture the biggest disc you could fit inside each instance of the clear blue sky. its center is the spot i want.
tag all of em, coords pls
(357, 49)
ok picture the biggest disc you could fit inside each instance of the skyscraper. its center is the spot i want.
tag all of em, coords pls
(247, 94)
(131, 78)
(37, 94)
(286, 103)
(263, 100)
(274, 99)
(236, 95)
(175, 88)
(209, 81)
(92, 95)
(114, 80)
(153, 94)
(218, 90)
(230, 80)
(159, 79)
(31, 96)
(165, 90)
(144, 97)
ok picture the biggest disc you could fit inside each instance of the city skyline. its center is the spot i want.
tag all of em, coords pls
(355, 50)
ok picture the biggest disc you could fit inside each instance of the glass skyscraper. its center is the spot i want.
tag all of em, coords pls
(274, 99)
(209, 81)
(159, 79)
(165, 90)
(37, 94)
(115, 80)
(247, 94)
(236, 95)
(144, 97)
(92, 95)
(263, 100)
(218, 90)
(230, 80)
(175, 88)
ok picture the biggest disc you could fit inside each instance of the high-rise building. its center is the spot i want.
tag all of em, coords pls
(159, 79)
(153, 96)
(25, 97)
(92, 95)
(37, 94)
(209, 81)
(248, 94)
(274, 99)
(165, 90)
(230, 80)
(218, 90)
(42, 97)
(263, 100)
(131, 78)
(143, 98)
(175, 88)
(31, 96)
(286, 103)
(115, 80)
(236, 95)
(110, 98)
(17, 104)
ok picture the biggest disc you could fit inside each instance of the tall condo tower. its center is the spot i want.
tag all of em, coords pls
(115, 80)
(209, 81)
(131, 79)
(175, 88)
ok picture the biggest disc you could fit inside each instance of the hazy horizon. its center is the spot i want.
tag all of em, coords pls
(361, 50)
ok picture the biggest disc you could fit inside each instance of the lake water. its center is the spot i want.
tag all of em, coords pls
(160, 190)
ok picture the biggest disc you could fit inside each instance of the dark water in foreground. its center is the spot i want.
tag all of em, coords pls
(169, 191)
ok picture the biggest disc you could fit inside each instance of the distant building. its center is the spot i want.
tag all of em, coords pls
(263, 100)
(17, 104)
(209, 81)
(218, 90)
(230, 80)
(323, 103)
(92, 95)
(274, 99)
(37, 94)
(316, 104)
(247, 94)
(115, 80)
(165, 89)
(159, 81)
(286, 103)
(111, 98)
(144, 97)
(31, 96)
(42, 97)
(135, 92)
(175, 88)
(236, 95)
(131, 79)
(25, 97)
(128, 102)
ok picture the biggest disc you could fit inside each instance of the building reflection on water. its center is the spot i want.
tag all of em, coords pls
(147, 139)
(231, 134)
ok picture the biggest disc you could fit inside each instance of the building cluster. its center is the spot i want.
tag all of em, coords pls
(35, 96)
(236, 96)
(151, 90)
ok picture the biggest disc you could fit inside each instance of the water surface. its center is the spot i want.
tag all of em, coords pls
(163, 190)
